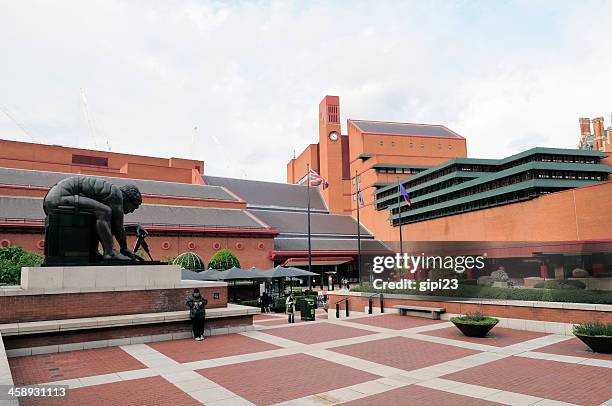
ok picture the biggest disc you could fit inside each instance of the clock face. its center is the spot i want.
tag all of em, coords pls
(333, 136)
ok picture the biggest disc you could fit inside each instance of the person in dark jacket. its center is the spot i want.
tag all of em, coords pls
(197, 305)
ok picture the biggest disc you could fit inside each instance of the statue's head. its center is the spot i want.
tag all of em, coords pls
(131, 198)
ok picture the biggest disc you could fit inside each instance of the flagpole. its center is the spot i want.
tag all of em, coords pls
(399, 205)
(357, 186)
(309, 242)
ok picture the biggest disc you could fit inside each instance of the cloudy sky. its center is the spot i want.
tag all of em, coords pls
(237, 83)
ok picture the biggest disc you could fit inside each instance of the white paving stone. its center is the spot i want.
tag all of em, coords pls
(597, 362)
(550, 402)
(235, 401)
(474, 391)
(195, 385)
(341, 395)
(511, 398)
(211, 394)
(99, 379)
(137, 374)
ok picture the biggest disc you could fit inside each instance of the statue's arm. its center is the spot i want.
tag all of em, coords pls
(117, 226)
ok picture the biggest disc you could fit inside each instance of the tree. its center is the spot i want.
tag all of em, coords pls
(224, 259)
(12, 259)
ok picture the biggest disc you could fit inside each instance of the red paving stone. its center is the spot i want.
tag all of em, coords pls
(154, 391)
(575, 348)
(316, 333)
(418, 395)
(404, 353)
(276, 322)
(260, 317)
(498, 337)
(72, 364)
(395, 321)
(212, 347)
(573, 383)
(279, 379)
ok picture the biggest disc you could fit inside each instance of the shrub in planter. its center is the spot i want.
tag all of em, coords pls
(191, 261)
(485, 281)
(474, 324)
(224, 259)
(499, 276)
(572, 284)
(597, 336)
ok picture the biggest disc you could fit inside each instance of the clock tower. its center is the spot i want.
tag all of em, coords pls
(330, 152)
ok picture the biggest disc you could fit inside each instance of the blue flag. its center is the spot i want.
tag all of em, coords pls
(405, 194)
(361, 201)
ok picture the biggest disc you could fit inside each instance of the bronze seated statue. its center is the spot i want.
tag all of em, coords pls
(83, 212)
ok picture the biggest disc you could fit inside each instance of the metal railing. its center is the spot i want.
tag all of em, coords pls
(382, 303)
(346, 308)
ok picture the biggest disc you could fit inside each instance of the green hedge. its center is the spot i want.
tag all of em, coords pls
(253, 303)
(565, 284)
(483, 292)
(12, 259)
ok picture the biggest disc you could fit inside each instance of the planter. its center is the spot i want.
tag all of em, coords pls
(472, 329)
(602, 344)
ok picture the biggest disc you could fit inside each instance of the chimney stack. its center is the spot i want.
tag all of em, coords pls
(585, 126)
(598, 132)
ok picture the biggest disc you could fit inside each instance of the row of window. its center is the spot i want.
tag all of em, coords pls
(504, 182)
(494, 168)
(382, 143)
(410, 171)
(499, 200)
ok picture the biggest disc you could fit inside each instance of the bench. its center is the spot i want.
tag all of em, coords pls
(100, 322)
(434, 311)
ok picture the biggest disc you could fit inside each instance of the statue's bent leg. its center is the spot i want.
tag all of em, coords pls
(102, 213)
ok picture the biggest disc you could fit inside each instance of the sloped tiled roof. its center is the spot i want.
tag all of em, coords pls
(428, 130)
(297, 223)
(321, 244)
(148, 214)
(24, 177)
(270, 194)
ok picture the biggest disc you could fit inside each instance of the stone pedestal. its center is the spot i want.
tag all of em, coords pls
(108, 277)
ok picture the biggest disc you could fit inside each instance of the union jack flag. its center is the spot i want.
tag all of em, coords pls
(316, 179)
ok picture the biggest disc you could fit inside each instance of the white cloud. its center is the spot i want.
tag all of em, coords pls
(250, 75)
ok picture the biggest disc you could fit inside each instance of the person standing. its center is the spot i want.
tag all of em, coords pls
(262, 302)
(197, 311)
(290, 306)
(268, 303)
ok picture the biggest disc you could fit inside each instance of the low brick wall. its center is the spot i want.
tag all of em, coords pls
(80, 336)
(573, 313)
(21, 308)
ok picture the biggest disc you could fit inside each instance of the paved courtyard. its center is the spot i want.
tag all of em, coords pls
(372, 360)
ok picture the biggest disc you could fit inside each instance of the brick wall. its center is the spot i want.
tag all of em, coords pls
(251, 251)
(68, 337)
(358, 303)
(26, 308)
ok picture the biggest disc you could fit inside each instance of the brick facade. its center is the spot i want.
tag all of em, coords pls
(250, 251)
(27, 308)
(79, 336)
(358, 303)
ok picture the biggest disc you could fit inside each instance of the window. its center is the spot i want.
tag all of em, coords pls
(89, 160)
